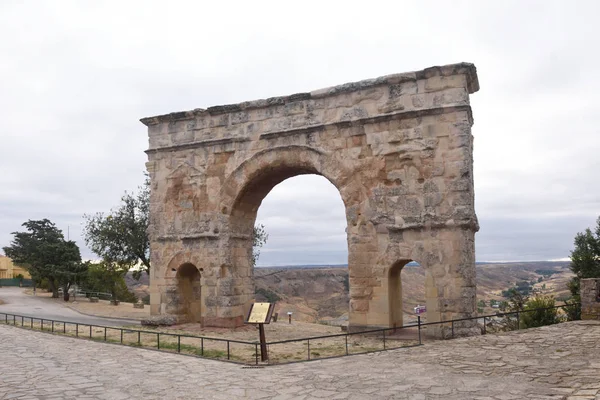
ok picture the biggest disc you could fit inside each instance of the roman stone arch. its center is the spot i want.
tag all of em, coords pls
(399, 150)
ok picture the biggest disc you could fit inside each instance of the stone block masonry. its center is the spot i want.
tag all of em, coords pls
(398, 148)
(590, 298)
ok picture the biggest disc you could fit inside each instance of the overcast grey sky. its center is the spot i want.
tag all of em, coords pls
(76, 76)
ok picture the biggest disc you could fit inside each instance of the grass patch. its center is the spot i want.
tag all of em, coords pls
(198, 351)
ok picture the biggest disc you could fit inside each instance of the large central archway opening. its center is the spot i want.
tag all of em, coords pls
(299, 193)
(303, 265)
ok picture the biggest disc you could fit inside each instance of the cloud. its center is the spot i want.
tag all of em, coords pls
(77, 76)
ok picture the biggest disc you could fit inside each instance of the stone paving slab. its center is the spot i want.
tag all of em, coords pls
(556, 362)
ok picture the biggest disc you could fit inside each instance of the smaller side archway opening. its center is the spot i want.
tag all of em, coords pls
(189, 290)
(406, 290)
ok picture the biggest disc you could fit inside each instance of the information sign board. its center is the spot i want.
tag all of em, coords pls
(260, 313)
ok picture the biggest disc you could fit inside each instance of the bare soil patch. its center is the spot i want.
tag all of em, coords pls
(103, 308)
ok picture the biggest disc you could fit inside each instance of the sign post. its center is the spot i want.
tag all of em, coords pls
(260, 313)
(419, 309)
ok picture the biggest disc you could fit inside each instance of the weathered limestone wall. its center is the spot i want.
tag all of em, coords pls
(398, 148)
(590, 298)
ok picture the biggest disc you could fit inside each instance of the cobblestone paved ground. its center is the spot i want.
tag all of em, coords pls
(556, 362)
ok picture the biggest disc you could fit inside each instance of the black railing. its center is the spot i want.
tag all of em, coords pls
(200, 346)
(282, 351)
(508, 323)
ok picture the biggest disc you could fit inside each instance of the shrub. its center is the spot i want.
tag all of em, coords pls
(124, 294)
(572, 309)
(538, 317)
(159, 320)
(271, 297)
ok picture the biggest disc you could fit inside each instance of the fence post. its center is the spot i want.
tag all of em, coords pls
(105, 334)
(256, 353)
(452, 329)
(158, 341)
(179, 343)
(419, 327)
(384, 338)
(228, 349)
(90, 331)
(202, 346)
(42, 325)
(139, 339)
(64, 328)
(518, 320)
(31, 319)
(121, 335)
(484, 326)
(308, 342)
(52, 326)
(346, 344)
(22, 323)
(76, 330)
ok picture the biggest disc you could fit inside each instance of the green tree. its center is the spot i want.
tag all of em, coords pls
(585, 258)
(125, 229)
(45, 253)
(503, 305)
(516, 302)
(69, 269)
(107, 237)
(99, 279)
(259, 238)
(134, 216)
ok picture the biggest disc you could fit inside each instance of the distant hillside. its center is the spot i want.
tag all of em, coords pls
(140, 287)
(320, 293)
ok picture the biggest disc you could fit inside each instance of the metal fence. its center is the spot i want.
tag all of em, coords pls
(16, 282)
(201, 346)
(99, 295)
(283, 351)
